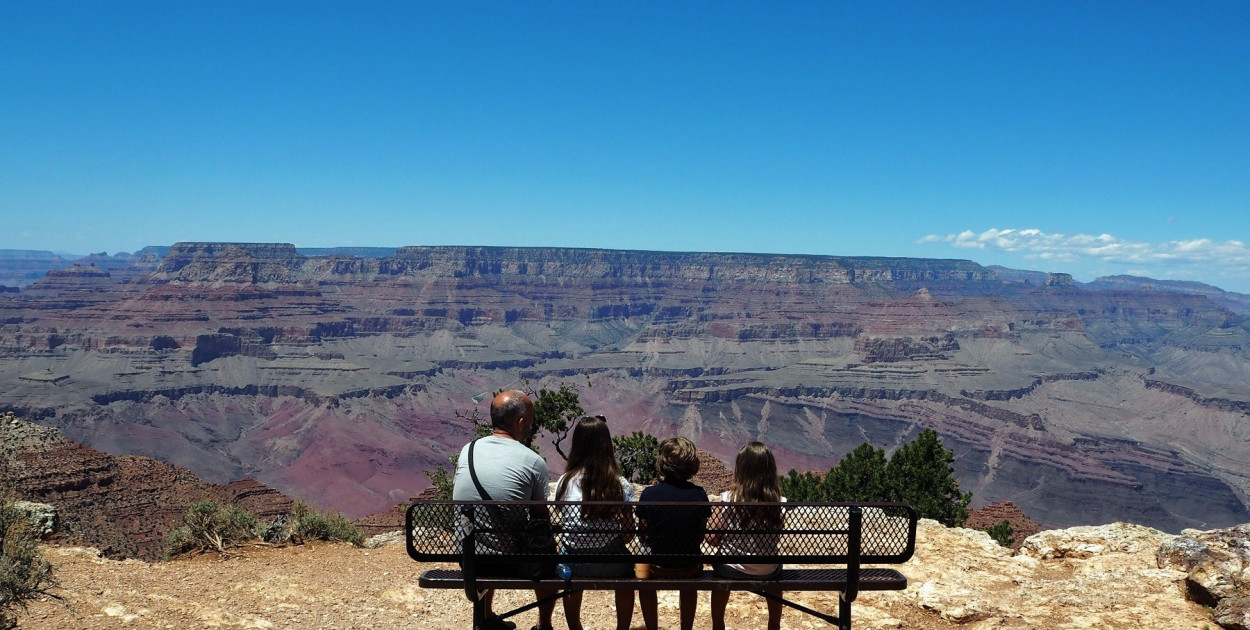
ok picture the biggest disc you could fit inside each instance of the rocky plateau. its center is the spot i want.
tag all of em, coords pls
(1110, 577)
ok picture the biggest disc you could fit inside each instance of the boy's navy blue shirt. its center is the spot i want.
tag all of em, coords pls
(674, 529)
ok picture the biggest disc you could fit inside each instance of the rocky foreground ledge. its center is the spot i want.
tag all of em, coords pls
(1115, 576)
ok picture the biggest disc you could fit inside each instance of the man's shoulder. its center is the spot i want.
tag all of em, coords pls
(513, 453)
(502, 443)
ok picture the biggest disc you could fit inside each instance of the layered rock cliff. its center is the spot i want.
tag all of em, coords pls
(125, 506)
(338, 378)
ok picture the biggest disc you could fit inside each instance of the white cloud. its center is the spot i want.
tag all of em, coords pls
(1034, 243)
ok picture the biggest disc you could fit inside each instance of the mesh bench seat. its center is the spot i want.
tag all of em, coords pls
(822, 547)
(790, 580)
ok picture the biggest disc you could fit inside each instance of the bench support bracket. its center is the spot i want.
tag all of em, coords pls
(479, 607)
(842, 620)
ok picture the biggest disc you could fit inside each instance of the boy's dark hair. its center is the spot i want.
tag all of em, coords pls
(677, 460)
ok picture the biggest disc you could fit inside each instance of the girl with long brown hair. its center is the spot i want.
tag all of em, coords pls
(755, 481)
(593, 474)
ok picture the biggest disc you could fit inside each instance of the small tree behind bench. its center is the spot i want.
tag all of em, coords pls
(918, 473)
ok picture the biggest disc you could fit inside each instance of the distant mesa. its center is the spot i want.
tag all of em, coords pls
(78, 271)
(357, 252)
(27, 254)
(1063, 280)
(182, 254)
(20, 268)
(282, 262)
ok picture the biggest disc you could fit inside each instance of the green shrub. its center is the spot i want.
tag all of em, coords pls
(24, 574)
(211, 526)
(306, 523)
(1002, 533)
(919, 473)
(443, 480)
(636, 452)
(802, 486)
(860, 476)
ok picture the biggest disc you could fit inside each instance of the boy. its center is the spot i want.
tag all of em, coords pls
(674, 529)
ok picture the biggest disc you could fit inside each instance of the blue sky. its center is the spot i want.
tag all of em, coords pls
(1086, 137)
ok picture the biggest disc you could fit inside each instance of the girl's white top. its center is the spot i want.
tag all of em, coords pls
(749, 545)
(576, 534)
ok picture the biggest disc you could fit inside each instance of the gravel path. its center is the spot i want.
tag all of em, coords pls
(1086, 578)
(324, 585)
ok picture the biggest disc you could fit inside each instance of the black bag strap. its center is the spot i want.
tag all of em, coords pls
(496, 512)
(482, 493)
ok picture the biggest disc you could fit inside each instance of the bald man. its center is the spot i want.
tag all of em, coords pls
(508, 471)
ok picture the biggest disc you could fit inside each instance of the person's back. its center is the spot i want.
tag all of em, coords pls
(508, 471)
(505, 470)
(672, 529)
(594, 475)
(755, 481)
(585, 529)
(765, 523)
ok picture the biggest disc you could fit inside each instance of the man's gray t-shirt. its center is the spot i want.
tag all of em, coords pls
(507, 469)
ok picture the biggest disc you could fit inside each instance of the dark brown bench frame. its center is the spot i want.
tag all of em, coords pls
(838, 534)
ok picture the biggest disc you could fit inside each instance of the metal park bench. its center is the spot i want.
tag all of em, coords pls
(825, 547)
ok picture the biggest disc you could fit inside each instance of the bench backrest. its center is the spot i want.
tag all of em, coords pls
(809, 533)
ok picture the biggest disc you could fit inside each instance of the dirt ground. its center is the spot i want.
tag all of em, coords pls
(334, 585)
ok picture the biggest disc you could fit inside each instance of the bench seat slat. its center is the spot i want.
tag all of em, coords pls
(801, 579)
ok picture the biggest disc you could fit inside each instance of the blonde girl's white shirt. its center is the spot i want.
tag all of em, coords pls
(752, 544)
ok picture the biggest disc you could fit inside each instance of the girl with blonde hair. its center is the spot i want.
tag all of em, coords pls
(755, 481)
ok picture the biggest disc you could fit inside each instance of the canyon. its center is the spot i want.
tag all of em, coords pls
(337, 376)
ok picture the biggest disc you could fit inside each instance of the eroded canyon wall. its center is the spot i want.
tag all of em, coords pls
(337, 378)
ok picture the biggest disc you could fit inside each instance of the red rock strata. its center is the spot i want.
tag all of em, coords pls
(714, 476)
(125, 506)
(1021, 525)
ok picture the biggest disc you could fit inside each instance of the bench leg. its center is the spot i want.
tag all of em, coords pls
(479, 612)
(544, 599)
(842, 621)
